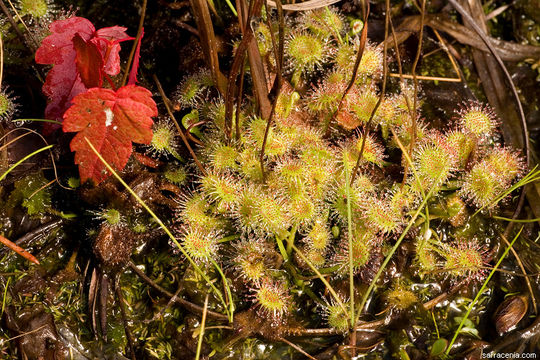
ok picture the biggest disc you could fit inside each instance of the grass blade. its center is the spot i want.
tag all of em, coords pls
(326, 283)
(532, 176)
(37, 120)
(201, 331)
(23, 160)
(350, 240)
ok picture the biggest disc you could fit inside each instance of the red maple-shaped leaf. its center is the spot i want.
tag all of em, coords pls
(111, 121)
(72, 56)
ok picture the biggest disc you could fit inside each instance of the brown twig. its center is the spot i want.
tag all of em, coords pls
(187, 27)
(164, 309)
(237, 64)
(42, 230)
(296, 347)
(121, 302)
(135, 42)
(361, 48)
(19, 250)
(191, 137)
(187, 304)
(415, 79)
(278, 53)
(208, 42)
(381, 97)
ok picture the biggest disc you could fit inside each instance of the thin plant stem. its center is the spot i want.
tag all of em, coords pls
(227, 288)
(38, 120)
(180, 131)
(415, 79)
(53, 162)
(231, 6)
(522, 268)
(279, 62)
(297, 348)
(390, 254)
(201, 332)
(1, 60)
(516, 220)
(4, 297)
(129, 63)
(23, 160)
(381, 97)
(325, 282)
(12, 140)
(350, 244)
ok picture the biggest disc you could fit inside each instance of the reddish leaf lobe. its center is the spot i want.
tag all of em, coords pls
(89, 62)
(58, 46)
(111, 121)
(63, 81)
(108, 41)
(135, 65)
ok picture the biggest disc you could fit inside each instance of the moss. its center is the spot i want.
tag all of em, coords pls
(32, 193)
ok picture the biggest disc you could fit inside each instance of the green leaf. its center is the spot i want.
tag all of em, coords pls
(438, 347)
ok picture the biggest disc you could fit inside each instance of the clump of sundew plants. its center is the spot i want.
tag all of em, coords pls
(333, 212)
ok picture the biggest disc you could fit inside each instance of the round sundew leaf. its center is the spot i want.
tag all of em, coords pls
(439, 347)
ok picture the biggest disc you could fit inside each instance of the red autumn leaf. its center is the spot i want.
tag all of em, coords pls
(111, 121)
(108, 41)
(135, 65)
(89, 62)
(63, 81)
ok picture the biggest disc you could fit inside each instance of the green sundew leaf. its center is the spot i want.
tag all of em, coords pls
(484, 285)
(438, 347)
